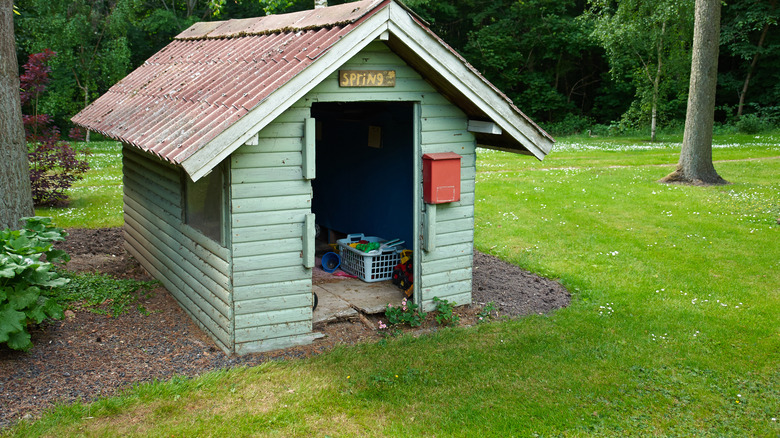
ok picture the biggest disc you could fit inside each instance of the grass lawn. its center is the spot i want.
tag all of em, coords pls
(673, 328)
(96, 200)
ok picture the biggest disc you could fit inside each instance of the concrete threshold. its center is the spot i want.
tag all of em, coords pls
(340, 297)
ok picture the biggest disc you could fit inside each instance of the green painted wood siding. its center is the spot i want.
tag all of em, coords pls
(269, 202)
(270, 199)
(194, 268)
(445, 271)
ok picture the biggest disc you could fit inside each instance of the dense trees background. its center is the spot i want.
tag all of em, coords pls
(572, 65)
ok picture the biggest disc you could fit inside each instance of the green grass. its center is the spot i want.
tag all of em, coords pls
(96, 200)
(672, 331)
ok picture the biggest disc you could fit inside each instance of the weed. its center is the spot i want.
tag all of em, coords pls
(407, 313)
(446, 315)
(101, 293)
(386, 331)
(389, 378)
(487, 313)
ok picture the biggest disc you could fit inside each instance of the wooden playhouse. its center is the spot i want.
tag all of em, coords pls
(241, 135)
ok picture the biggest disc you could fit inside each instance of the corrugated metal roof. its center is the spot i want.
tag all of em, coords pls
(214, 73)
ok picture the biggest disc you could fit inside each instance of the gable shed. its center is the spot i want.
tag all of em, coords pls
(240, 135)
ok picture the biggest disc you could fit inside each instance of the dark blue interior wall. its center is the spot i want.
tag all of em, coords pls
(361, 189)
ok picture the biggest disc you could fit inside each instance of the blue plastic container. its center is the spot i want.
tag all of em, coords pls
(330, 261)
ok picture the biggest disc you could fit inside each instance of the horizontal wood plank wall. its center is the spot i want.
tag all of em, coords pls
(194, 268)
(269, 202)
(446, 271)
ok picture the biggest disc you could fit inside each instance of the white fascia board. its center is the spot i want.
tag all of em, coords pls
(217, 150)
(472, 86)
(484, 127)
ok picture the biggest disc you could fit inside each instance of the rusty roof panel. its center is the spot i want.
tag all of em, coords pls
(315, 18)
(192, 90)
(214, 73)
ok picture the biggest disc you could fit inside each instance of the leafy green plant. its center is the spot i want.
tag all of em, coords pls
(25, 278)
(486, 314)
(407, 313)
(101, 293)
(446, 316)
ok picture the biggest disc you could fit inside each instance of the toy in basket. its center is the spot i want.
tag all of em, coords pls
(375, 265)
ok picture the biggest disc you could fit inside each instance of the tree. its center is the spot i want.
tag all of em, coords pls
(54, 165)
(156, 22)
(744, 35)
(90, 39)
(647, 41)
(535, 51)
(15, 194)
(695, 165)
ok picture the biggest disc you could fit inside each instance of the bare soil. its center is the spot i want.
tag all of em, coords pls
(87, 355)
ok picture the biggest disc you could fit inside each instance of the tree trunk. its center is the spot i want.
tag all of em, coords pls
(86, 102)
(654, 111)
(753, 63)
(695, 165)
(657, 85)
(15, 192)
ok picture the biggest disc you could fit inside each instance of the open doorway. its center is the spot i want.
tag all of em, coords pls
(364, 185)
(365, 178)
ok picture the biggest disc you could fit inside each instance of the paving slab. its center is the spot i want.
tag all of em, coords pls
(370, 298)
(330, 307)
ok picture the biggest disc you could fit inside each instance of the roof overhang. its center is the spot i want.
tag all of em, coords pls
(210, 155)
(425, 52)
(227, 127)
(457, 80)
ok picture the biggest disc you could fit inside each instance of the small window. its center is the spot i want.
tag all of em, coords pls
(203, 209)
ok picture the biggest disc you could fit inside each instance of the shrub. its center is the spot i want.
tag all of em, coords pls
(53, 163)
(570, 125)
(25, 278)
(750, 124)
(54, 167)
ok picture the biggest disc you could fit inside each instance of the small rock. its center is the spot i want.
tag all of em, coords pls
(70, 315)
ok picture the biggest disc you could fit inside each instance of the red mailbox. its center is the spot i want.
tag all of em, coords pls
(441, 177)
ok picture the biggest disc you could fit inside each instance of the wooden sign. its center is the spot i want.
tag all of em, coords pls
(367, 78)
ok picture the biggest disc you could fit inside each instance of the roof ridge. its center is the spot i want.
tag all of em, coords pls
(266, 32)
(322, 18)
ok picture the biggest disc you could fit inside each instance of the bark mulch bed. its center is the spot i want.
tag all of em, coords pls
(88, 355)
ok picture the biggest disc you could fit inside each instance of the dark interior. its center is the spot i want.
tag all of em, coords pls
(364, 181)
